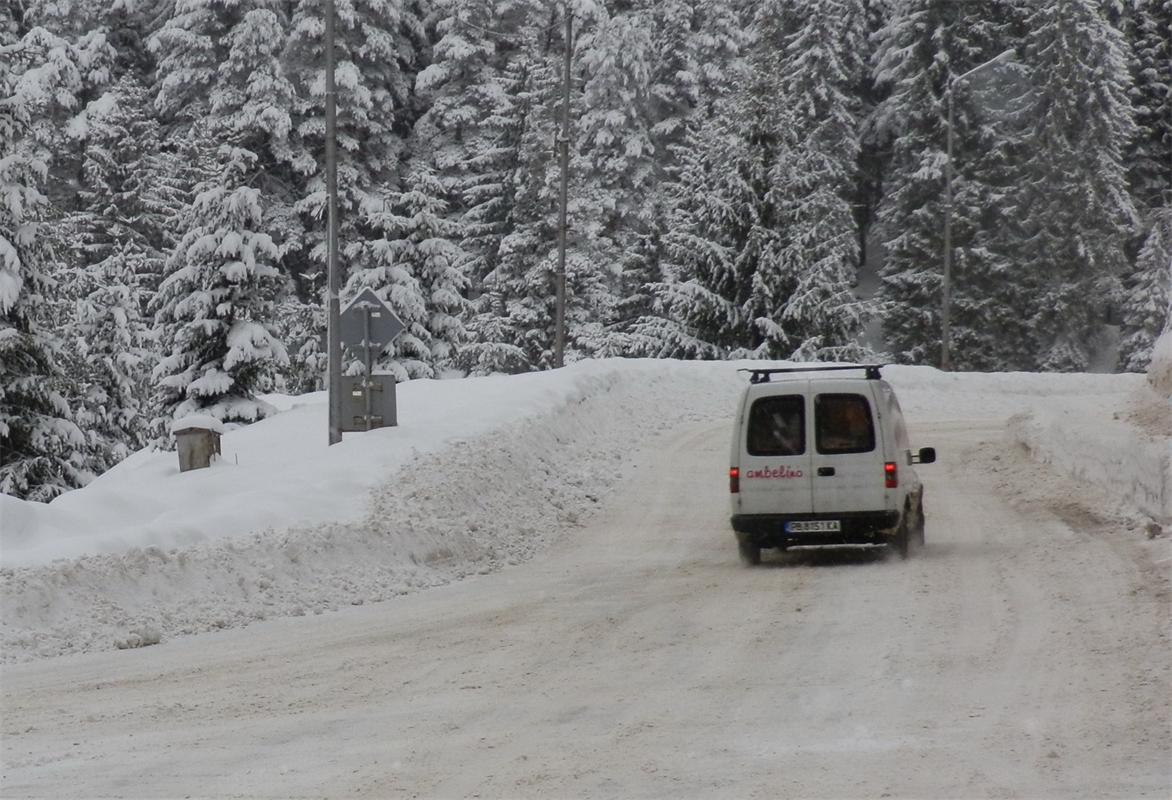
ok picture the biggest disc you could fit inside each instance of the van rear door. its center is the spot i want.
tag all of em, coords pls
(848, 462)
(775, 456)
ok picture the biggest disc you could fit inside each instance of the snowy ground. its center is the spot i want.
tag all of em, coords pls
(480, 474)
(1025, 652)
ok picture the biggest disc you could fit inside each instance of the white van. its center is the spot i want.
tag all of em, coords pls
(821, 457)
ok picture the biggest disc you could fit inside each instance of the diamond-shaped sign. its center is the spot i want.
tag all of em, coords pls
(384, 325)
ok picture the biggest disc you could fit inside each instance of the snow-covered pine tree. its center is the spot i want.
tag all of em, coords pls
(116, 258)
(252, 96)
(379, 45)
(617, 193)
(1149, 156)
(991, 287)
(1073, 201)
(184, 159)
(469, 137)
(189, 49)
(911, 123)
(41, 447)
(1148, 295)
(926, 45)
(761, 112)
(872, 145)
(514, 309)
(114, 355)
(724, 281)
(302, 327)
(255, 105)
(520, 288)
(415, 267)
(216, 307)
(129, 25)
(223, 65)
(697, 47)
(698, 304)
(434, 244)
(1149, 159)
(69, 19)
(84, 25)
(814, 184)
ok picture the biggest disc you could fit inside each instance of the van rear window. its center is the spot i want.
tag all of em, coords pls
(843, 424)
(777, 426)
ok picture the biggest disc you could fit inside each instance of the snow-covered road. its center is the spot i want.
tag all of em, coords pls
(1024, 652)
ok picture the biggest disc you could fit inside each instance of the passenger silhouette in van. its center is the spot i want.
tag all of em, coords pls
(844, 424)
(787, 433)
(777, 427)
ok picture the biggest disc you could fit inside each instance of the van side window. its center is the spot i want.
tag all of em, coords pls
(843, 424)
(777, 426)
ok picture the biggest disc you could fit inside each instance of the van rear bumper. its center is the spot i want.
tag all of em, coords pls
(858, 527)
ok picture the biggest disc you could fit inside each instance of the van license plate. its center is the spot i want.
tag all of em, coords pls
(814, 526)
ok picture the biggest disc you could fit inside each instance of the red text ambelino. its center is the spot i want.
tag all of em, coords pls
(776, 472)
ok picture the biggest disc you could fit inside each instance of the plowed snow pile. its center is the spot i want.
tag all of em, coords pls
(480, 474)
(1123, 446)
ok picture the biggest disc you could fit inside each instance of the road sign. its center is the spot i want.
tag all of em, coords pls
(368, 325)
(384, 325)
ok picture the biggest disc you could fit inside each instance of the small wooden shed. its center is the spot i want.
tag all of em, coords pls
(197, 439)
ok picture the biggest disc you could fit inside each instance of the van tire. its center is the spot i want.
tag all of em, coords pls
(750, 554)
(903, 535)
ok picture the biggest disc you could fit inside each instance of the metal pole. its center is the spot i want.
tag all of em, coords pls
(946, 288)
(333, 327)
(367, 348)
(559, 346)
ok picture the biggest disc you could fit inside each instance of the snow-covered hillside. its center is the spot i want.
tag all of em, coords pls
(480, 473)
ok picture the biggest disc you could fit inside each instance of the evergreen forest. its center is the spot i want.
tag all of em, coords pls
(747, 179)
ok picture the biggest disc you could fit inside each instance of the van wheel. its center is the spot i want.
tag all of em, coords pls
(750, 554)
(902, 539)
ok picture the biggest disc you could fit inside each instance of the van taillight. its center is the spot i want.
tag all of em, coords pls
(891, 473)
(734, 480)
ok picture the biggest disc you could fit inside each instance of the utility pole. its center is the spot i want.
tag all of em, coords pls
(559, 345)
(334, 334)
(946, 283)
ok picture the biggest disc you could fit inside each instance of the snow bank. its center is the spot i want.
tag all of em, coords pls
(1160, 368)
(1095, 440)
(280, 473)
(1104, 451)
(481, 473)
(1076, 424)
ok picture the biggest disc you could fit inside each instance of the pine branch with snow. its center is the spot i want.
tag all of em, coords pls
(41, 446)
(216, 307)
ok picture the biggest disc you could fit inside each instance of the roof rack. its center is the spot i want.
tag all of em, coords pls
(762, 375)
